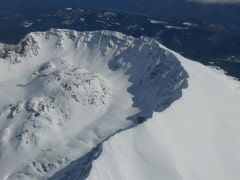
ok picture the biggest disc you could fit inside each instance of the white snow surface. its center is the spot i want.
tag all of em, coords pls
(196, 138)
(101, 105)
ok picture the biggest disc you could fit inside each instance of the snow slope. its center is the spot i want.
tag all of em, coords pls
(102, 105)
(196, 138)
(64, 93)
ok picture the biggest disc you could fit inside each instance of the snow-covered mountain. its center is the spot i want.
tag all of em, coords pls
(102, 105)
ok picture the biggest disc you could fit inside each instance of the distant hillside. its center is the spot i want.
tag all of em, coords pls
(217, 13)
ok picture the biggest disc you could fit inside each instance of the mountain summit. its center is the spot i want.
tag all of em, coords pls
(103, 105)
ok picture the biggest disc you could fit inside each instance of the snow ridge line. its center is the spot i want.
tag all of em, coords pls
(81, 168)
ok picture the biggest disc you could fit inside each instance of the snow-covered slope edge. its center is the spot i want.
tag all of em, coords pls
(198, 137)
(63, 92)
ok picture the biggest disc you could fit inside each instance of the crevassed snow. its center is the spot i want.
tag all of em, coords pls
(65, 92)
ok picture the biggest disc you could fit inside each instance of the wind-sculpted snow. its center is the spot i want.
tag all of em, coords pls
(65, 81)
(54, 85)
(64, 93)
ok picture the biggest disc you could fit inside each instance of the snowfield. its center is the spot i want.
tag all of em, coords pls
(102, 105)
(196, 138)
